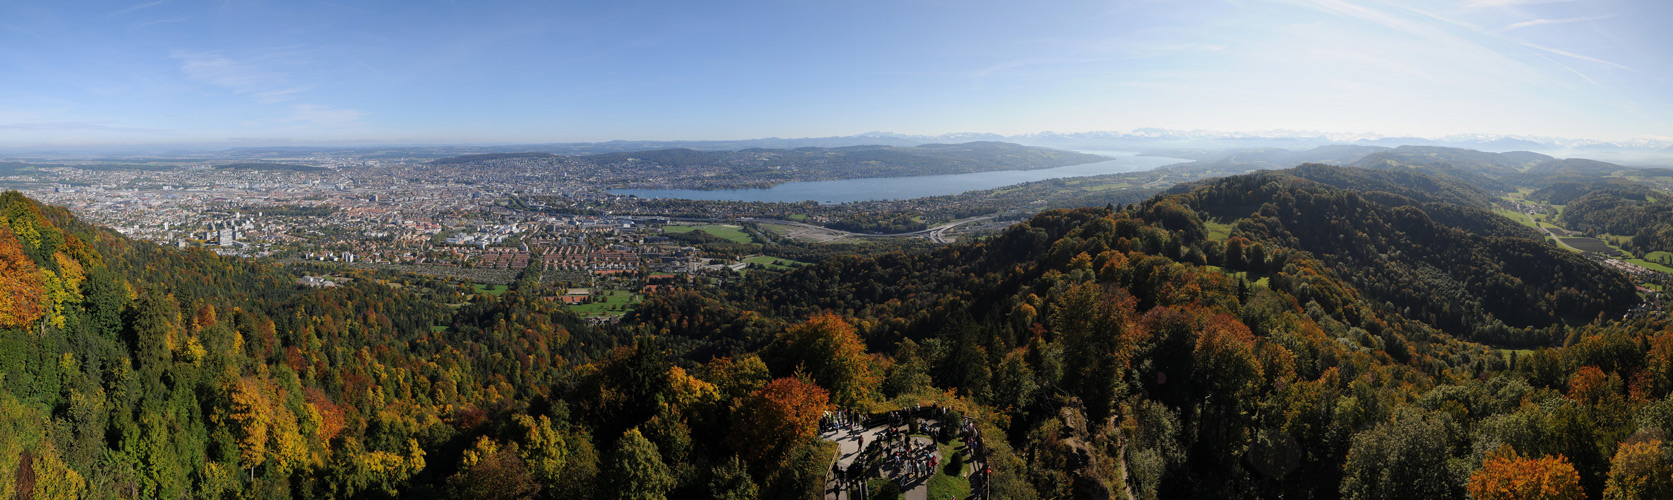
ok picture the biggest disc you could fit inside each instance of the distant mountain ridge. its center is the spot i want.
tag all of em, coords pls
(1141, 139)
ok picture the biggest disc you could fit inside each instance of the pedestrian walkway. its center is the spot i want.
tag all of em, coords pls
(851, 443)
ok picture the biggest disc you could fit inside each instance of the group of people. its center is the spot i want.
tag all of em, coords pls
(914, 462)
(843, 419)
(895, 450)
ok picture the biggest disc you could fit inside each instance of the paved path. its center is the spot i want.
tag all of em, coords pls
(848, 444)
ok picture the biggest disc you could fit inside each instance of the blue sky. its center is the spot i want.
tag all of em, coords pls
(414, 71)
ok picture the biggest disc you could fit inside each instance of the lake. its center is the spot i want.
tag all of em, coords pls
(902, 188)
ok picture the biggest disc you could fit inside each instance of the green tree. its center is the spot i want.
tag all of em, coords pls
(1404, 458)
(635, 470)
(731, 481)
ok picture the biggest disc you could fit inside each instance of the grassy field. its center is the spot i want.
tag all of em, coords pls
(615, 302)
(1615, 241)
(774, 263)
(1652, 265)
(729, 232)
(1217, 230)
(1519, 353)
(1516, 216)
(494, 290)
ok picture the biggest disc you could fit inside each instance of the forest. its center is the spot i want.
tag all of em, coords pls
(1352, 336)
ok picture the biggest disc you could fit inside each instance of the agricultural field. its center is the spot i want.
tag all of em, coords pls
(615, 302)
(729, 232)
(1519, 217)
(1592, 245)
(495, 290)
(1217, 230)
(774, 263)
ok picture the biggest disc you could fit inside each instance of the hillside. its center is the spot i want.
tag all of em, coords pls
(1319, 346)
(1474, 283)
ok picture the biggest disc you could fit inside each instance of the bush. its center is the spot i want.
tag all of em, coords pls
(889, 491)
(955, 465)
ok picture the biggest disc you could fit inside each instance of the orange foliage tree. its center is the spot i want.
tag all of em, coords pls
(20, 284)
(777, 417)
(1505, 475)
(828, 349)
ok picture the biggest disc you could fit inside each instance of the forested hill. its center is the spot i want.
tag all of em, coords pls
(1244, 367)
(1096, 350)
(1471, 273)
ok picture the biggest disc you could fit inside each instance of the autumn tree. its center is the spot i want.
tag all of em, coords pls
(20, 284)
(250, 414)
(544, 449)
(1640, 471)
(737, 377)
(827, 348)
(781, 415)
(491, 471)
(1506, 475)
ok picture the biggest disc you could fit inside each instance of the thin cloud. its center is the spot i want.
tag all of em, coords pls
(145, 5)
(1477, 4)
(1543, 22)
(324, 115)
(256, 77)
(341, 6)
(1576, 72)
(67, 126)
(1521, 42)
(160, 21)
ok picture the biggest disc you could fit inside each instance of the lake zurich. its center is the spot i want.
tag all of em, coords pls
(901, 188)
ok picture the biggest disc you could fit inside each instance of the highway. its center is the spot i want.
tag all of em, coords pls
(936, 233)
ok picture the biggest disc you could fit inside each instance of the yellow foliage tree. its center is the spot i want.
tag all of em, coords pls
(54, 479)
(1639, 471)
(544, 449)
(248, 411)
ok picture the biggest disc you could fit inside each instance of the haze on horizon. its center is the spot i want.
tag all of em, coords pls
(344, 71)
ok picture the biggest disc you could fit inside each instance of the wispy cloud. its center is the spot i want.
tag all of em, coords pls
(75, 126)
(341, 6)
(262, 77)
(324, 115)
(126, 10)
(160, 21)
(1477, 4)
(1542, 22)
(1518, 41)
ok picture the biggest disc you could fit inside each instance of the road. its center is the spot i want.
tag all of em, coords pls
(1547, 230)
(936, 234)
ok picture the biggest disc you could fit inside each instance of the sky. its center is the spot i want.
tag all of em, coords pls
(297, 72)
